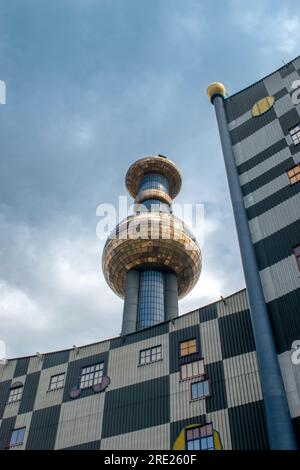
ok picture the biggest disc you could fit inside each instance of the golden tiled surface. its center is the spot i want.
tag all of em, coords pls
(152, 240)
(154, 164)
(153, 194)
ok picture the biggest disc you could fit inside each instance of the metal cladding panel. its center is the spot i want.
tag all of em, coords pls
(56, 358)
(259, 194)
(235, 303)
(7, 426)
(124, 368)
(208, 313)
(247, 427)
(184, 321)
(29, 392)
(136, 407)
(277, 246)
(43, 428)
(235, 107)
(94, 445)
(280, 278)
(270, 154)
(284, 316)
(220, 422)
(7, 370)
(21, 366)
(210, 341)
(242, 379)
(156, 330)
(89, 350)
(236, 334)
(4, 391)
(74, 371)
(218, 399)
(44, 396)
(155, 438)
(181, 406)
(35, 364)
(80, 421)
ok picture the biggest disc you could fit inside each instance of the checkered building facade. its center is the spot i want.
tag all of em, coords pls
(145, 406)
(265, 150)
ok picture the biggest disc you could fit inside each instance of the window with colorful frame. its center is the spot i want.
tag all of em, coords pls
(17, 437)
(91, 375)
(150, 355)
(297, 255)
(188, 347)
(200, 438)
(294, 174)
(200, 389)
(192, 369)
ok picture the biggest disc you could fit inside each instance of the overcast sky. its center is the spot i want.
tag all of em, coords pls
(93, 85)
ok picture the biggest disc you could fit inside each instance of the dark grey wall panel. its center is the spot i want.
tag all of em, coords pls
(277, 246)
(4, 391)
(296, 424)
(95, 445)
(247, 427)
(285, 319)
(21, 366)
(74, 371)
(141, 335)
(236, 334)
(29, 392)
(218, 399)
(208, 313)
(177, 426)
(289, 120)
(136, 407)
(287, 70)
(176, 337)
(6, 428)
(43, 428)
(56, 358)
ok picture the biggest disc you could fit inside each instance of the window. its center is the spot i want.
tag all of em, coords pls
(150, 355)
(200, 389)
(15, 394)
(192, 369)
(295, 134)
(188, 347)
(91, 375)
(57, 381)
(200, 438)
(17, 437)
(297, 255)
(294, 174)
(263, 105)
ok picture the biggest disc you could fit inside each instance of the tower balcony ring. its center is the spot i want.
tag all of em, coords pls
(179, 253)
(154, 164)
(153, 194)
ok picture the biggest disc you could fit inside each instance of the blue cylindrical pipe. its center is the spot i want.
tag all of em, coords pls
(279, 425)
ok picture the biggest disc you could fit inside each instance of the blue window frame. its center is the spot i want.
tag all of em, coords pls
(200, 438)
(17, 437)
(200, 389)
